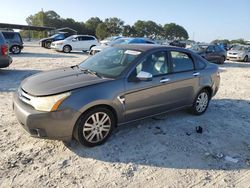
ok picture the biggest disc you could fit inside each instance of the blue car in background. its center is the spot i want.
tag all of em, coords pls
(125, 40)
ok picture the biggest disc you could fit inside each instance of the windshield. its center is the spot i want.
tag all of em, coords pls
(239, 48)
(198, 48)
(120, 41)
(55, 35)
(111, 62)
(70, 38)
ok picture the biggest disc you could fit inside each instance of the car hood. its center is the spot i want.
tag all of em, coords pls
(100, 47)
(46, 39)
(236, 51)
(59, 41)
(58, 81)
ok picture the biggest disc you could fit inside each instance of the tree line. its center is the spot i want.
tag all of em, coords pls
(226, 41)
(108, 27)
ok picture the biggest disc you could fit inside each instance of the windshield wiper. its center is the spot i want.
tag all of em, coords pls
(91, 72)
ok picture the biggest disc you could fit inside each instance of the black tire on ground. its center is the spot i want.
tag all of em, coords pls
(94, 127)
(67, 49)
(245, 59)
(222, 60)
(15, 49)
(48, 45)
(91, 47)
(201, 102)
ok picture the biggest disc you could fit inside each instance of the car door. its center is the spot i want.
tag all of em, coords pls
(86, 42)
(184, 79)
(218, 53)
(76, 43)
(145, 98)
(210, 54)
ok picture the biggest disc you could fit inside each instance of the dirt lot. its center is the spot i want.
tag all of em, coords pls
(161, 152)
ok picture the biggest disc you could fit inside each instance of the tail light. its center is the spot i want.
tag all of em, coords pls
(4, 50)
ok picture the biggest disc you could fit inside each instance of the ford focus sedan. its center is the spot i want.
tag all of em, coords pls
(117, 86)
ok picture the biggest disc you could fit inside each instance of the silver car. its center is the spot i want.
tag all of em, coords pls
(239, 53)
(117, 86)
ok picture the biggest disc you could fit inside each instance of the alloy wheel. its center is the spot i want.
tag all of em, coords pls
(97, 127)
(202, 102)
(15, 50)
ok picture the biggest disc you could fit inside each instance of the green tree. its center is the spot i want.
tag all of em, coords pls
(114, 26)
(91, 25)
(102, 31)
(173, 31)
(238, 41)
(148, 29)
(128, 31)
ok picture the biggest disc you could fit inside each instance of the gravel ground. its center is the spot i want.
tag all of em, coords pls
(164, 151)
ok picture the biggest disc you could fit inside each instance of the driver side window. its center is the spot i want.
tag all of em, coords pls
(156, 64)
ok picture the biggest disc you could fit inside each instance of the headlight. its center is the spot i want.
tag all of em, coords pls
(59, 43)
(50, 103)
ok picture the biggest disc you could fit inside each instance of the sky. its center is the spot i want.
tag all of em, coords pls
(205, 20)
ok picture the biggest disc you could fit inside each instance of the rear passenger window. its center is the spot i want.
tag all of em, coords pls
(88, 38)
(8, 35)
(181, 62)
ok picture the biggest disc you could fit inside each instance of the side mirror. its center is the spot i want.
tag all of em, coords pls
(74, 40)
(144, 76)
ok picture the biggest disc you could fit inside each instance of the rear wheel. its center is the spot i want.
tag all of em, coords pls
(245, 59)
(15, 49)
(201, 102)
(94, 127)
(67, 49)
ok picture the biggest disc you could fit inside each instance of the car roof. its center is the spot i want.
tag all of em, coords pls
(82, 36)
(147, 47)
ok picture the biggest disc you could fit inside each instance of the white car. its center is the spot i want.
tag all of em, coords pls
(239, 53)
(75, 43)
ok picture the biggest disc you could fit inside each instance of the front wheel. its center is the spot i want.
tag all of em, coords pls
(67, 49)
(245, 59)
(222, 60)
(94, 127)
(201, 102)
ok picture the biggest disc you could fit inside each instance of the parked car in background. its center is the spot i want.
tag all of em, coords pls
(178, 43)
(109, 40)
(46, 42)
(211, 52)
(75, 43)
(121, 84)
(5, 59)
(14, 41)
(125, 40)
(239, 53)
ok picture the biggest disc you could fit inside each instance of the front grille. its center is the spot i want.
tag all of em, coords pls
(24, 96)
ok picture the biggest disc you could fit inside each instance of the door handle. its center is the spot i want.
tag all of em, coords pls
(196, 73)
(164, 80)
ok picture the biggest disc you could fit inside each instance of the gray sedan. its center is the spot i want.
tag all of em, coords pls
(117, 86)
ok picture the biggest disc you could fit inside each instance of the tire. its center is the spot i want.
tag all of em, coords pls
(67, 49)
(222, 60)
(91, 47)
(245, 59)
(15, 49)
(201, 102)
(48, 45)
(88, 132)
